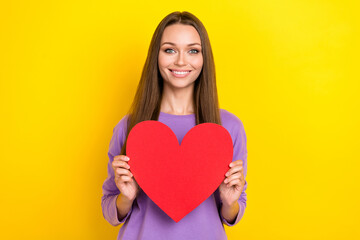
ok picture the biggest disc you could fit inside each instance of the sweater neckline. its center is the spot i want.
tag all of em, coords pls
(176, 116)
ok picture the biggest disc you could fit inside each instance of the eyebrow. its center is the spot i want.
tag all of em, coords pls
(175, 44)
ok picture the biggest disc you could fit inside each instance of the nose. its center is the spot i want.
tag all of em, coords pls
(180, 60)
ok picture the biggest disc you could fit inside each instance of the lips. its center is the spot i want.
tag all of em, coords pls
(178, 73)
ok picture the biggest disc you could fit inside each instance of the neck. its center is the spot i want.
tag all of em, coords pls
(177, 101)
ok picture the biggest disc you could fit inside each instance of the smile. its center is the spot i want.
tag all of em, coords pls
(180, 74)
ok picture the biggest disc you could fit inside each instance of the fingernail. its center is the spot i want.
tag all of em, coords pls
(127, 158)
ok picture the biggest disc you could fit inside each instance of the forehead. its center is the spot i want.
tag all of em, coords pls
(180, 34)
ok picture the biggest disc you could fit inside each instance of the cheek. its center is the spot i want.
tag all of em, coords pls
(198, 63)
(163, 61)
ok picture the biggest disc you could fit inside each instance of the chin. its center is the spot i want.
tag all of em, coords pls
(179, 85)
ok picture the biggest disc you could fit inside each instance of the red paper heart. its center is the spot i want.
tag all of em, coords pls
(178, 178)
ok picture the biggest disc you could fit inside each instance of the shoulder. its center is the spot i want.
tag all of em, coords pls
(233, 125)
(230, 121)
(121, 124)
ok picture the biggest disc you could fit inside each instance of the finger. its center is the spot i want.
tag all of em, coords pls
(122, 171)
(121, 164)
(234, 170)
(236, 163)
(121, 158)
(125, 178)
(234, 182)
(232, 177)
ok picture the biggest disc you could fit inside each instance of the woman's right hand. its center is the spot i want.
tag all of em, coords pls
(124, 179)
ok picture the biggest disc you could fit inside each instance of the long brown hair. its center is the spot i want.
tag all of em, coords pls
(147, 100)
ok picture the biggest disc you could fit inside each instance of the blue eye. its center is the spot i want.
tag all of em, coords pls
(169, 50)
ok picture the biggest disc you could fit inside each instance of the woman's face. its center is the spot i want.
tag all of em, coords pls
(180, 58)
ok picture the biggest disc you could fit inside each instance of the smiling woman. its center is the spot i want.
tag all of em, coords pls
(180, 58)
(178, 88)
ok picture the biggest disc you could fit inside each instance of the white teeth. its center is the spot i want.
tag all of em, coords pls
(180, 72)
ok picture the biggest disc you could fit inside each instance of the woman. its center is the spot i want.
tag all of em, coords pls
(177, 88)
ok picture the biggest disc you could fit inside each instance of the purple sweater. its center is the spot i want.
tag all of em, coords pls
(146, 220)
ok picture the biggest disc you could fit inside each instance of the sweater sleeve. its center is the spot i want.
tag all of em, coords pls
(109, 188)
(240, 152)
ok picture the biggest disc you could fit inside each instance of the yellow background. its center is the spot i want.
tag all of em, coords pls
(287, 69)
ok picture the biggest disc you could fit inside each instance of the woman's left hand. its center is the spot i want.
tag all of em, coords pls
(231, 188)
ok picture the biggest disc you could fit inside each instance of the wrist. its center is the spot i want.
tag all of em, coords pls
(123, 200)
(230, 211)
(123, 206)
(229, 205)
